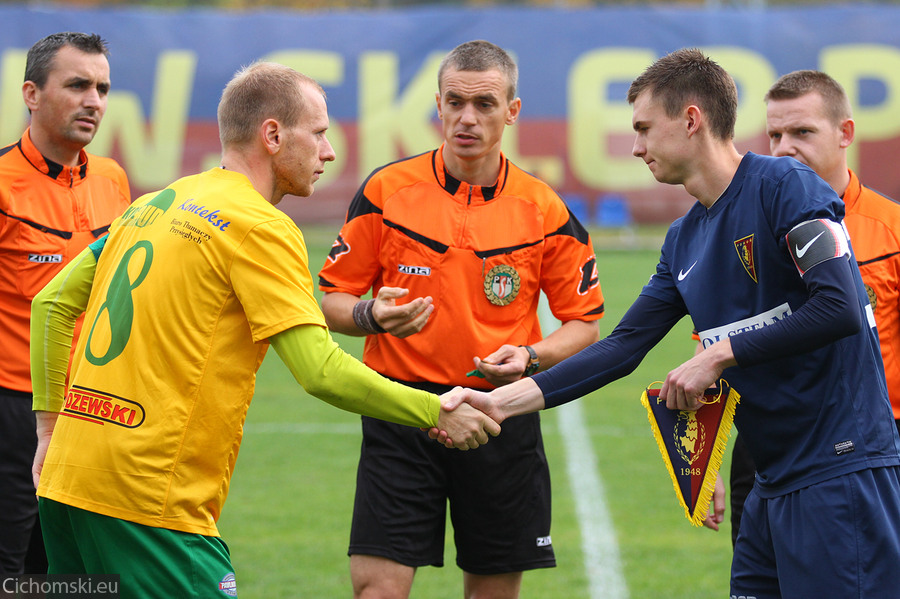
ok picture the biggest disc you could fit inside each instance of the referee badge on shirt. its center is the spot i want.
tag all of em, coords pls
(873, 299)
(501, 285)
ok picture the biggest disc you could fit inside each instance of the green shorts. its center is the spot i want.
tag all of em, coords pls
(151, 562)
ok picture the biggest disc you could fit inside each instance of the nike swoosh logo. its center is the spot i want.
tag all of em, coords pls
(683, 274)
(802, 250)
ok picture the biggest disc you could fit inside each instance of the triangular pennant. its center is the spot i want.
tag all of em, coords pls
(692, 444)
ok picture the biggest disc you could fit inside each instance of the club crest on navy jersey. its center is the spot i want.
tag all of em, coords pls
(501, 284)
(744, 247)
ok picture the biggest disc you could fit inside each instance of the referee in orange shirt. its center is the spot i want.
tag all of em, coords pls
(55, 199)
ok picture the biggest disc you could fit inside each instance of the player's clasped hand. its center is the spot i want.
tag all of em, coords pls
(462, 426)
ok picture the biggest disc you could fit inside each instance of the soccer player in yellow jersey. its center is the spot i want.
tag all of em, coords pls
(192, 285)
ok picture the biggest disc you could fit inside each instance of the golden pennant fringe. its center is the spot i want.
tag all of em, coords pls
(701, 506)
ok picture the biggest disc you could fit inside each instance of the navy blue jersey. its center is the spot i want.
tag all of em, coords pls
(805, 416)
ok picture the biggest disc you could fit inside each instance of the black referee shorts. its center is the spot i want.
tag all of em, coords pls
(499, 497)
(18, 503)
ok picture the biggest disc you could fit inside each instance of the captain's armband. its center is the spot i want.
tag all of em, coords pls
(815, 241)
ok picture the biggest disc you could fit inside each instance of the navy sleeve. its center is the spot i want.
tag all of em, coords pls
(832, 312)
(643, 326)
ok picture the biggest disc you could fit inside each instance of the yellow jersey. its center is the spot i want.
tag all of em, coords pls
(191, 282)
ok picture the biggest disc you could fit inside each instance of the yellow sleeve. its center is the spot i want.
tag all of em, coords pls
(53, 313)
(334, 376)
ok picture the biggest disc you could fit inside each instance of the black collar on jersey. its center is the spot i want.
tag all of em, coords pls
(451, 184)
(52, 169)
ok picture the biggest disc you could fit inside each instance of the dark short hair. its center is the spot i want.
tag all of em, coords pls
(799, 83)
(688, 76)
(480, 56)
(40, 56)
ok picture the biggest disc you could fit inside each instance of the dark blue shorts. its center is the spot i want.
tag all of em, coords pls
(499, 497)
(837, 538)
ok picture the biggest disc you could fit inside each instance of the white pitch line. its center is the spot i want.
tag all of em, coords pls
(598, 537)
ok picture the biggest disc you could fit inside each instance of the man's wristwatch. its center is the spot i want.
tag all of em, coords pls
(533, 363)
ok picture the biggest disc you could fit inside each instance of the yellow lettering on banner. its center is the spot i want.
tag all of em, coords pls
(548, 168)
(151, 155)
(392, 125)
(593, 119)
(394, 122)
(754, 75)
(328, 69)
(13, 114)
(849, 64)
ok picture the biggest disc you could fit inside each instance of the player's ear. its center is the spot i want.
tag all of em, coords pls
(270, 135)
(692, 118)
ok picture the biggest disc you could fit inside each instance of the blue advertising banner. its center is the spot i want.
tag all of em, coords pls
(379, 71)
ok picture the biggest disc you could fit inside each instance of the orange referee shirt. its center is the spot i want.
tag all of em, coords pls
(483, 253)
(48, 214)
(873, 221)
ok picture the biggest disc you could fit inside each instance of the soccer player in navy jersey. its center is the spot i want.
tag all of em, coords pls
(762, 265)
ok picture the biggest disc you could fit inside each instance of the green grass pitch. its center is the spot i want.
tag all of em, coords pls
(287, 517)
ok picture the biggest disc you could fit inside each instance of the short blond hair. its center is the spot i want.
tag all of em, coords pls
(260, 91)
